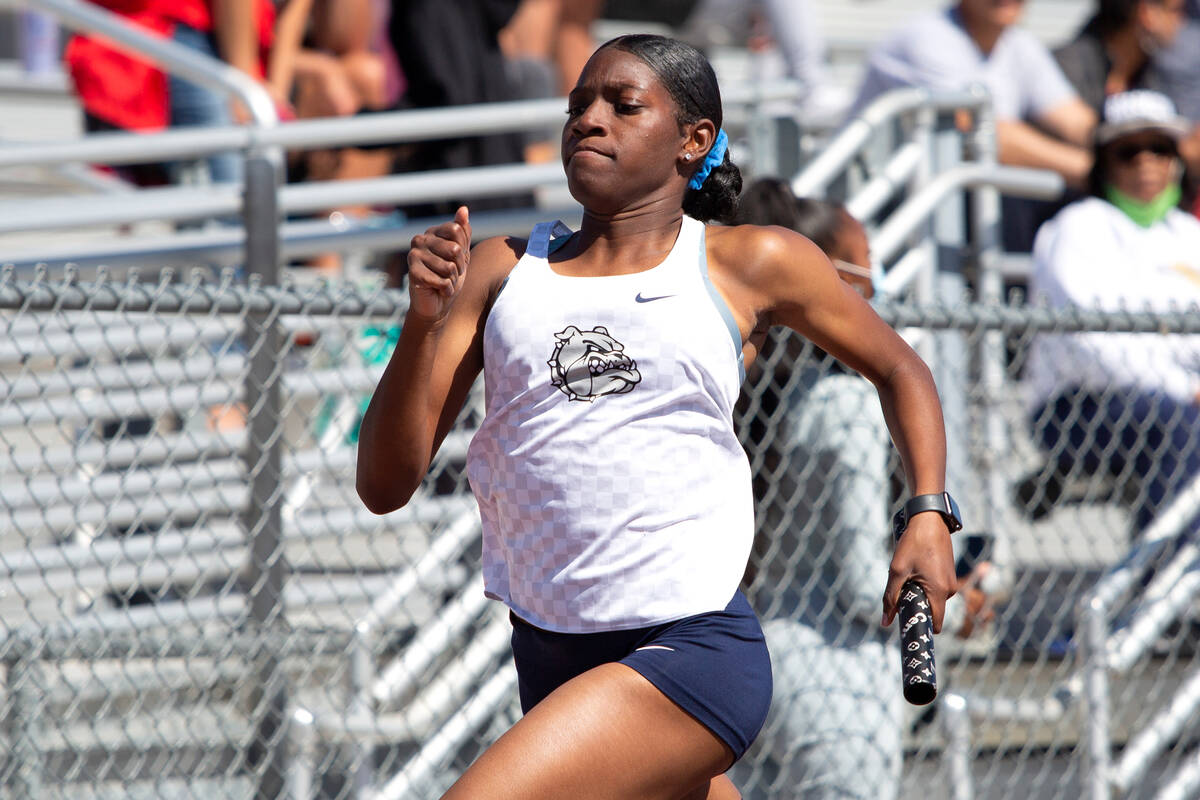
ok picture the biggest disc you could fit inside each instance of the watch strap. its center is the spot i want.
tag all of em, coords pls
(940, 502)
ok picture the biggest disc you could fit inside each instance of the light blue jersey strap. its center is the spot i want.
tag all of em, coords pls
(540, 245)
(722, 309)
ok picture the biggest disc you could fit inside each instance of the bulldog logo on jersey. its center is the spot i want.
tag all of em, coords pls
(588, 364)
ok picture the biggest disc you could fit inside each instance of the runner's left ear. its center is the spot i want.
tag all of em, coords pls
(699, 138)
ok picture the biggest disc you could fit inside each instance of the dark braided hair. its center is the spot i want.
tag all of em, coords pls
(689, 78)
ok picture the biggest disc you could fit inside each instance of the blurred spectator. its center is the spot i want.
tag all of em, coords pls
(119, 91)
(557, 35)
(1125, 404)
(37, 42)
(1040, 120)
(1179, 68)
(1179, 64)
(785, 41)
(345, 67)
(672, 13)
(528, 44)
(545, 45)
(835, 720)
(1114, 53)
(450, 55)
(575, 42)
(1111, 54)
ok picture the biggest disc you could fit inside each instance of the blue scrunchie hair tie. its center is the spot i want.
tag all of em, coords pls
(715, 156)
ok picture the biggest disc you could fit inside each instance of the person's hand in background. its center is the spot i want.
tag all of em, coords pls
(980, 610)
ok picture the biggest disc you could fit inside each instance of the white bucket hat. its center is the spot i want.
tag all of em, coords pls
(1140, 110)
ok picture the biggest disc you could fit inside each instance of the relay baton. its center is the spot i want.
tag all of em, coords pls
(917, 670)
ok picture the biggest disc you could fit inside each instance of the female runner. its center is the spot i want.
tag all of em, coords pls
(615, 497)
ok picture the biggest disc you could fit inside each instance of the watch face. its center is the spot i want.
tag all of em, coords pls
(953, 510)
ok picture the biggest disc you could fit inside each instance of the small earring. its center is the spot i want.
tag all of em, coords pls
(687, 156)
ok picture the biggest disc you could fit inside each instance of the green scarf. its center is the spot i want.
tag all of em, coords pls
(1144, 213)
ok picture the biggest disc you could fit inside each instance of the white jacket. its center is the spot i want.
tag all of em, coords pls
(1092, 255)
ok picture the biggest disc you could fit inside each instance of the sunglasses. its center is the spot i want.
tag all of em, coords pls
(1128, 152)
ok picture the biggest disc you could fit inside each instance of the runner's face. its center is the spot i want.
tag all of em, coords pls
(622, 144)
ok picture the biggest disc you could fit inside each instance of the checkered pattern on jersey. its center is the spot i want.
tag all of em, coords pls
(614, 491)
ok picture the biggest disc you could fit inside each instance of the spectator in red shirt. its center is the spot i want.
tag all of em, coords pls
(121, 91)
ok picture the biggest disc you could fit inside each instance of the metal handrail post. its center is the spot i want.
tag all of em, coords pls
(263, 515)
(943, 280)
(957, 726)
(261, 213)
(985, 237)
(818, 173)
(302, 769)
(23, 763)
(362, 674)
(1185, 783)
(895, 174)
(424, 765)
(762, 138)
(361, 707)
(1094, 651)
(1158, 735)
(923, 129)
(1021, 181)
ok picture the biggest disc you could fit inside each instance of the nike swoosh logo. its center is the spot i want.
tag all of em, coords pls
(641, 299)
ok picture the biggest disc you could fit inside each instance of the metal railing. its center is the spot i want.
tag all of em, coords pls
(1103, 653)
(1168, 596)
(265, 137)
(179, 60)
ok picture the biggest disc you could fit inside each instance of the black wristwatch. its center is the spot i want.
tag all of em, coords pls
(942, 503)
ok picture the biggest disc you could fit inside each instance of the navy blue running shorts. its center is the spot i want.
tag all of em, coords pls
(714, 666)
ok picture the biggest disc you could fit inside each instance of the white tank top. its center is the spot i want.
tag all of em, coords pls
(613, 490)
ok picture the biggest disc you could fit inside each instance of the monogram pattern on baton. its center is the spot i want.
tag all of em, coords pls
(918, 658)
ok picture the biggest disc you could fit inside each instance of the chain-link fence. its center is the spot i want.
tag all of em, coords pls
(196, 605)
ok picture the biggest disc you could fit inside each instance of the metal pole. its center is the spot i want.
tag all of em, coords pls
(426, 763)
(834, 157)
(958, 745)
(362, 679)
(985, 236)
(304, 745)
(263, 516)
(1022, 181)
(950, 361)
(764, 144)
(1094, 651)
(1186, 782)
(923, 125)
(24, 762)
